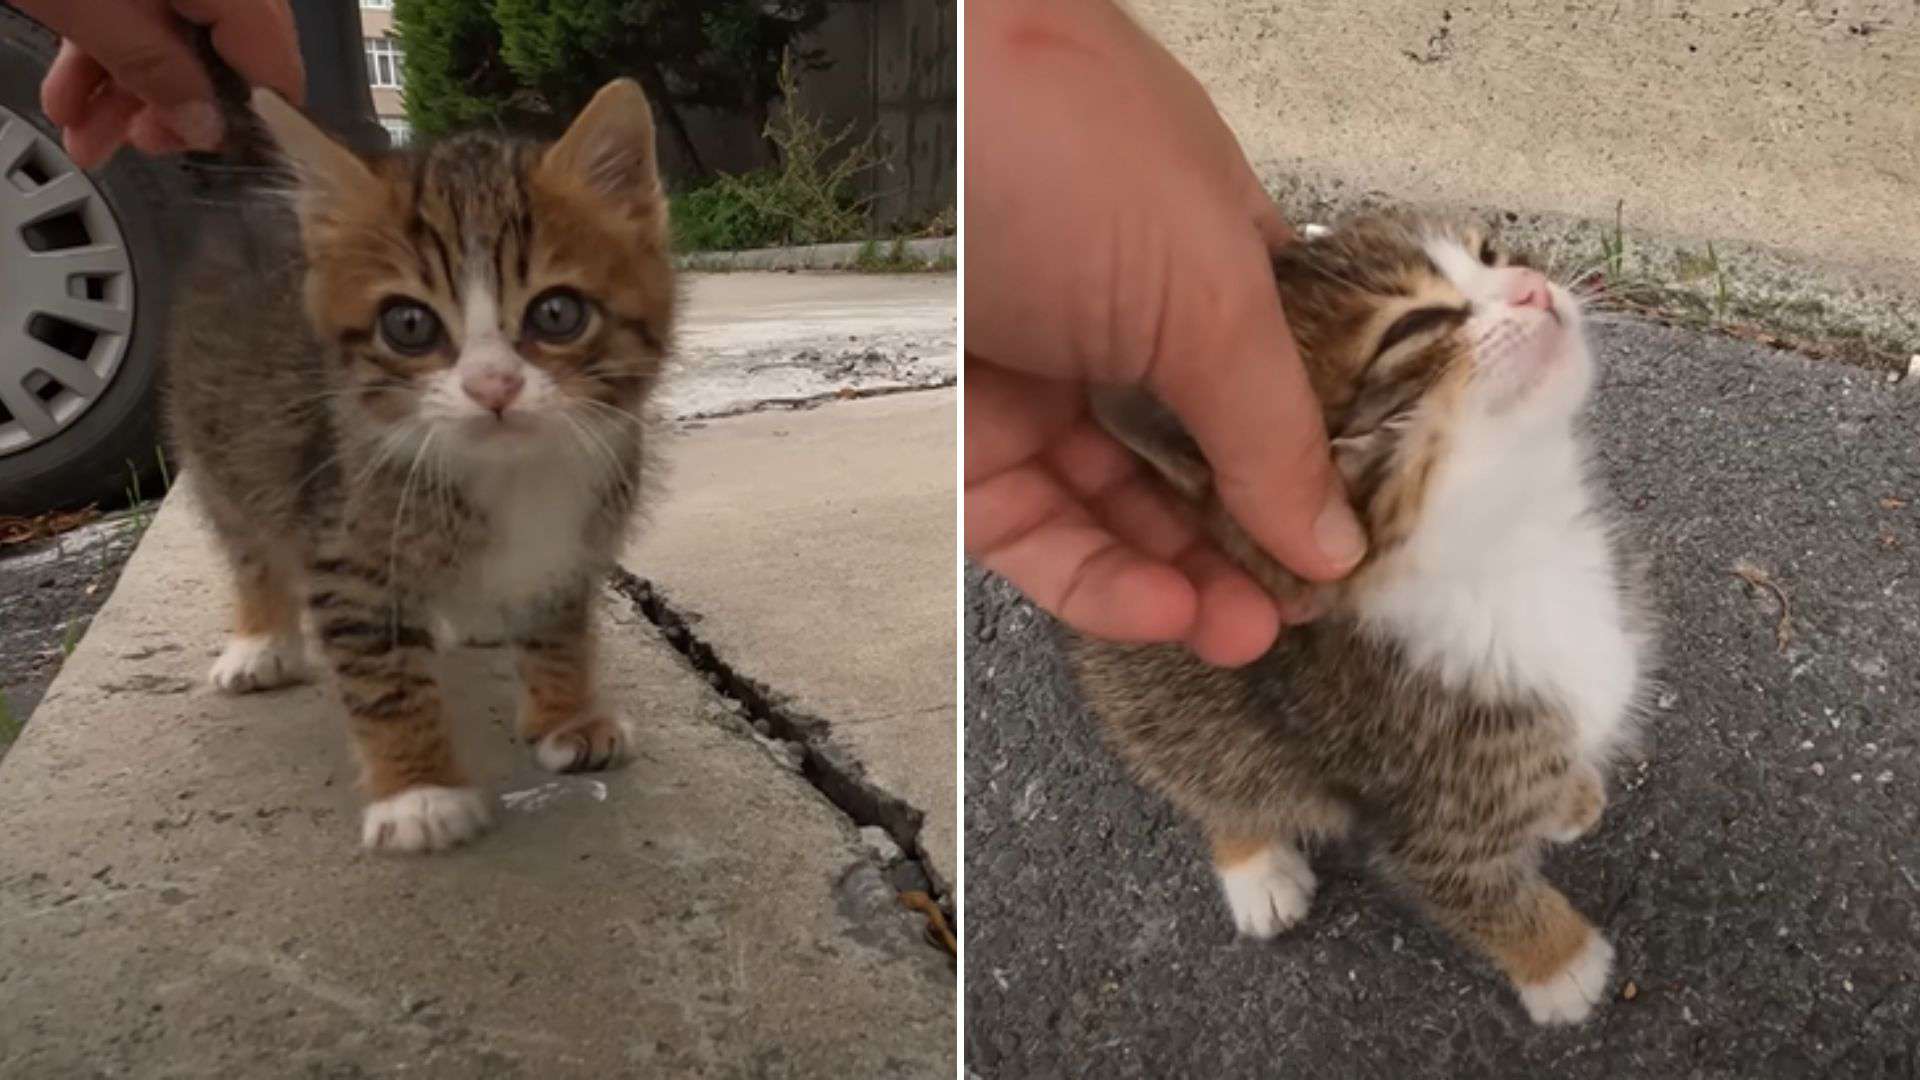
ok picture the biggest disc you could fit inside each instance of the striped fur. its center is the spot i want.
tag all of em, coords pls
(1472, 677)
(366, 484)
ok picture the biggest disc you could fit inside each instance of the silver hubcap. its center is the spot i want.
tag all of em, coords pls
(66, 289)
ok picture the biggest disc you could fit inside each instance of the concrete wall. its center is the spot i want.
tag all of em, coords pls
(1789, 124)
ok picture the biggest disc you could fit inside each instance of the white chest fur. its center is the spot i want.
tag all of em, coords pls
(534, 543)
(1509, 584)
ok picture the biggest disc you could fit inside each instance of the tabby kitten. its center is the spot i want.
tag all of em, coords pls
(431, 410)
(1467, 684)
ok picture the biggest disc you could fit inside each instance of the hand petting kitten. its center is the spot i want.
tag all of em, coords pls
(1150, 274)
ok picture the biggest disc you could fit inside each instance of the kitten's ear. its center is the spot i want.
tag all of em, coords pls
(1149, 429)
(327, 170)
(610, 147)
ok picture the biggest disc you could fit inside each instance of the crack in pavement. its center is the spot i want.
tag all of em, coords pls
(812, 401)
(830, 769)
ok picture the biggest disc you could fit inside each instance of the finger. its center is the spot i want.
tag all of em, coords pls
(1147, 516)
(257, 37)
(1237, 621)
(1090, 460)
(142, 46)
(1236, 382)
(1272, 225)
(1308, 603)
(102, 129)
(70, 83)
(1026, 527)
(149, 134)
(1011, 418)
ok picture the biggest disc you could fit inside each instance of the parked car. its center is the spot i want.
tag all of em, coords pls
(88, 261)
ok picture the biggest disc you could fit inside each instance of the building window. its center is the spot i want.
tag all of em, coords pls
(377, 5)
(383, 63)
(398, 130)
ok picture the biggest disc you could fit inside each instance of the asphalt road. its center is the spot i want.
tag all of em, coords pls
(1759, 872)
(49, 591)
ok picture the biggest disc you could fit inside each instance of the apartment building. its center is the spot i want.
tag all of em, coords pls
(384, 73)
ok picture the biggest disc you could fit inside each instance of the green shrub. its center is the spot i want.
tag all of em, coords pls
(808, 198)
(716, 218)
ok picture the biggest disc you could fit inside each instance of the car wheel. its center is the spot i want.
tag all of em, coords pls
(84, 289)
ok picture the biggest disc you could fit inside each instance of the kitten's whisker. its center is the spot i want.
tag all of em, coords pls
(393, 541)
(388, 446)
(389, 443)
(1328, 273)
(616, 472)
(614, 410)
(440, 485)
(345, 391)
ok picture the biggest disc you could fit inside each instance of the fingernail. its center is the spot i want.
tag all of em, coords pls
(1338, 532)
(197, 123)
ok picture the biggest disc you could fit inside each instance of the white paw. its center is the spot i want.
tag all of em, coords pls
(1269, 892)
(600, 743)
(424, 819)
(259, 663)
(1570, 996)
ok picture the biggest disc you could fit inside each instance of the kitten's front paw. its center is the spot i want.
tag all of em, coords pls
(259, 663)
(424, 819)
(1570, 996)
(599, 743)
(1269, 892)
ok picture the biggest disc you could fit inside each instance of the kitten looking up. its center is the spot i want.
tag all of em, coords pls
(431, 406)
(1469, 681)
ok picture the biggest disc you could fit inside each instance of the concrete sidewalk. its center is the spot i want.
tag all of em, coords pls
(750, 340)
(181, 892)
(1758, 871)
(813, 553)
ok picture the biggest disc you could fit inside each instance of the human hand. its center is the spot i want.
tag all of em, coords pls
(1116, 234)
(127, 71)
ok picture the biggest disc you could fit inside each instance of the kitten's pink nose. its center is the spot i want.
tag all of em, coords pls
(1528, 288)
(493, 390)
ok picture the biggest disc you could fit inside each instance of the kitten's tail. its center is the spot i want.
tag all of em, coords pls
(247, 143)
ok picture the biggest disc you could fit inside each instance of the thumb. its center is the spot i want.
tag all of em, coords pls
(1267, 219)
(1240, 389)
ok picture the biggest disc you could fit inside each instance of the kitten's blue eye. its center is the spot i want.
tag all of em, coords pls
(408, 326)
(557, 316)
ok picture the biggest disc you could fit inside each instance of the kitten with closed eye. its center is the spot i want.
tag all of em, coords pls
(432, 409)
(1467, 684)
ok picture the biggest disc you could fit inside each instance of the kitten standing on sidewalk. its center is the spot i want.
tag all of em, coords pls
(1468, 683)
(430, 406)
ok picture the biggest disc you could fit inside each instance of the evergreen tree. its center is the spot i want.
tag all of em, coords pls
(536, 62)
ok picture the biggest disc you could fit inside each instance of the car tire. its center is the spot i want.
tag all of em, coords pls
(111, 448)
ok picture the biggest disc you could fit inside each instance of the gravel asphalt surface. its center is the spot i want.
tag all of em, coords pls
(1759, 871)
